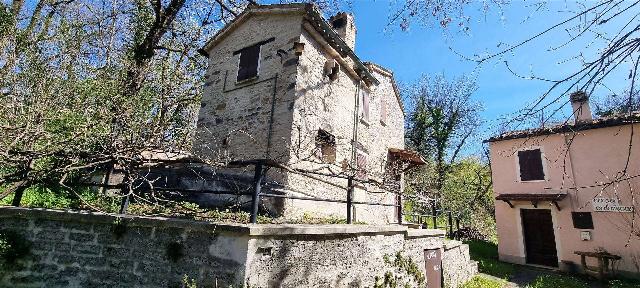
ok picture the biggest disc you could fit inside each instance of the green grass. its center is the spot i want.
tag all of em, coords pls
(624, 283)
(486, 254)
(559, 281)
(483, 282)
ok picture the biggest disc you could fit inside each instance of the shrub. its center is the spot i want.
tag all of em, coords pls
(483, 282)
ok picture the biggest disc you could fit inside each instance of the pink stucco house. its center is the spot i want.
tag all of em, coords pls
(563, 189)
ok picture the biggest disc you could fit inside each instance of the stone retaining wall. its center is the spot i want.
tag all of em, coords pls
(81, 249)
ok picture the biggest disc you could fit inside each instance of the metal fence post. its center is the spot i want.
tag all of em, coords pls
(434, 215)
(399, 208)
(17, 196)
(450, 220)
(255, 198)
(124, 203)
(349, 199)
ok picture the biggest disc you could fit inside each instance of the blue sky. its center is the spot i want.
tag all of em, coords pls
(429, 50)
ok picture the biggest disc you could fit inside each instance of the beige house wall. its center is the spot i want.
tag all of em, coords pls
(578, 164)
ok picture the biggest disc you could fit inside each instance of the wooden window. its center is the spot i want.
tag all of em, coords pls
(364, 105)
(530, 165)
(582, 220)
(361, 165)
(383, 111)
(326, 146)
(249, 61)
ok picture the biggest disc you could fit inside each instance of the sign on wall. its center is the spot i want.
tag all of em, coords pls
(602, 204)
(433, 262)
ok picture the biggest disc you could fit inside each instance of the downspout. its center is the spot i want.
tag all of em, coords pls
(273, 105)
(354, 140)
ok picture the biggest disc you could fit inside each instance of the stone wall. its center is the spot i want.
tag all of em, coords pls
(81, 249)
(286, 105)
(456, 265)
(92, 250)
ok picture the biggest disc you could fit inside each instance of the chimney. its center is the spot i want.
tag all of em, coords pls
(580, 107)
(344, 24)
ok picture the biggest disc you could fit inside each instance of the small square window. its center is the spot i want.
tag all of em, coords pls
(326, 146)
(582, 220)
(530, 165)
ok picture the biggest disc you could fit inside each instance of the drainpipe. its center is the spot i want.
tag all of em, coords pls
(354, 146)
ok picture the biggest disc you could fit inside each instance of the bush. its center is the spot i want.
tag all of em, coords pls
(483, 282)
(469, 233)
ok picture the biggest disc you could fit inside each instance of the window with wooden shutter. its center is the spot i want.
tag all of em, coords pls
(530, 165)
(364, 105)
(361, 165)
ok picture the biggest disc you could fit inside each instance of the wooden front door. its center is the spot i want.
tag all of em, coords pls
(539, 238)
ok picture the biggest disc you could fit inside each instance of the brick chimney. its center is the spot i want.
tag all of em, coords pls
(580, 107)
(343, 23)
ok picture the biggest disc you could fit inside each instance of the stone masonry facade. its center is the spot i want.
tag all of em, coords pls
(279, 113)
(82, 249)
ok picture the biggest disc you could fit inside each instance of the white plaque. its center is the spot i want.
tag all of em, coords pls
(610, 205)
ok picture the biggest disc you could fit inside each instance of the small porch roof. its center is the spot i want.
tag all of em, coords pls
(533, 197)
(407, 155)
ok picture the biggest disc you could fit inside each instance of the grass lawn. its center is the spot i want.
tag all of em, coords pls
(486, 254)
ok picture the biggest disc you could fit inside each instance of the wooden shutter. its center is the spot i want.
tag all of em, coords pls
(530, 165)
(365, 105)
(383, 110)
(361, 164)
(248, 67)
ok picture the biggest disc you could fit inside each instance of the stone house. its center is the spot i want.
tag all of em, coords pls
(283, 83)
(561, 190)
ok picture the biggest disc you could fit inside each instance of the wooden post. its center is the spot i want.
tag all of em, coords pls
(255, 198)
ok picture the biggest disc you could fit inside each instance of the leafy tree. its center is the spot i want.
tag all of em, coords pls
(87, 85)
(617, 104)
(442, 119)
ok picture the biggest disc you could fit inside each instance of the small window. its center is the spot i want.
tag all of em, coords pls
(530, 165)
(249, 63)
(361, 165)
(582, 220)
(326, 146)
(383, 111)
(364, 105)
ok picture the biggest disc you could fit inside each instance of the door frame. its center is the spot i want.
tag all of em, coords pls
(554, 221)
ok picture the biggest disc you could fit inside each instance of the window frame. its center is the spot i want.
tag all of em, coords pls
(361, 100)
(576, 215)
(542, 159)
(320, 144)
(258, 65)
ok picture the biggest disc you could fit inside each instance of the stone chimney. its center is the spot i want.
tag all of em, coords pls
(580, 107)
(343, 23)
